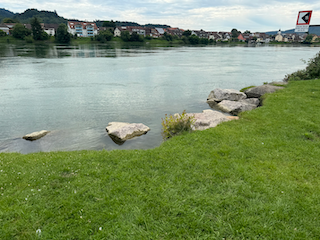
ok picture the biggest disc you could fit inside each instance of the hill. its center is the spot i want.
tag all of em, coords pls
(53, 17)
(5, 14)
(44, 16)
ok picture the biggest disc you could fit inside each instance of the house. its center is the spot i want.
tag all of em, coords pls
(4, 28)
(201, 33)
(214, 36)
(160, 31)
(175, 32)
(82, 29)
(315, 38)
(50, 29)
(241, 38)
(118, 30)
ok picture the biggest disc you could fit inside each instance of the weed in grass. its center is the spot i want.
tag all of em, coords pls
(173, 125)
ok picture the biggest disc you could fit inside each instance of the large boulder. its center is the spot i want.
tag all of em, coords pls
(208, 119)
(122, 131)
(257, 92)
(35, 135)
(219, 95)
(235, 107)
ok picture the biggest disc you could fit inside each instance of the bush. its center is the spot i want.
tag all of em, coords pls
(312, 71)
(20, 31)
(2, 33)
(176, 124)
(29, 39)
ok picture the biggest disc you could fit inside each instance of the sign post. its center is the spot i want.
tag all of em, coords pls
(303, 21)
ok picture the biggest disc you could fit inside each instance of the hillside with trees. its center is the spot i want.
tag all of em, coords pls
(26, 16)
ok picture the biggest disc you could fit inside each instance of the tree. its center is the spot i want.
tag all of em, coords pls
(125, 36)
(109, 24)
(193, 39)
(104, 36)
(36, 29)
(187, 33)
(235, 33)
(167, 37)
(135, 37)
(10, 20)
(20, 31)
(2, 33)
(308, 39)
(247, 31)
(204, 41)
(62, 35)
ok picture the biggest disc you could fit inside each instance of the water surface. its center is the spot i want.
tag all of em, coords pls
(75, 91)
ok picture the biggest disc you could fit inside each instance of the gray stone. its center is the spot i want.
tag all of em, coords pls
(235, 107)
(257, 92)
(35, 135)
(123, 131)
(219, 95)
(253, 101)
(208, 119)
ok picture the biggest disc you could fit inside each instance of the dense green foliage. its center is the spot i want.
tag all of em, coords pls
(20, 31)
(10, 20)
(109, 24)
(62, 34)
(5, 14)
(2, 33)
(173, 125)
(134, 37)
(37, 32)
(43, 16)
(255, 178)
(310, 72)
(193, 39)
(308, 39)
(104, 36)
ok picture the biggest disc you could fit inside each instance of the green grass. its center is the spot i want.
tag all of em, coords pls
(255, 178)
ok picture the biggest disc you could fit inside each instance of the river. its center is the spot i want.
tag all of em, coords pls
(75, 91)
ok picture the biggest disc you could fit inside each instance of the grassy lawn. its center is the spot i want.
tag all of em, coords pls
(255, 178)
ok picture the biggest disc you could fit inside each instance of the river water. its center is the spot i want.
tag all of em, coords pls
(75, 91)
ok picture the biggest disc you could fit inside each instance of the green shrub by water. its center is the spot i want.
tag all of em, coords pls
(312, 71)
(173, 125)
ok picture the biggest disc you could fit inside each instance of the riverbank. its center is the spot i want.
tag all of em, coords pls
(257, 177)
(151, 42)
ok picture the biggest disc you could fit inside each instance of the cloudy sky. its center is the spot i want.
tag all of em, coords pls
(210, 15)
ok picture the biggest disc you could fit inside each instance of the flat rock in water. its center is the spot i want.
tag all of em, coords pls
(123, 131)
(234, 107)
(219, 95)
(257, 92)
(35, 135)
(208, 119)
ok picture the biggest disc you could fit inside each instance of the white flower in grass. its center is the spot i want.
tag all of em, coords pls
(38, 232)
(100, 228)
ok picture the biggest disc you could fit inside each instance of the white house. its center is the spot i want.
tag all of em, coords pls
(83, 29)
(4, 28)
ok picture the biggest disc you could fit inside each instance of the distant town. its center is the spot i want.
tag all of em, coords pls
(93, 29)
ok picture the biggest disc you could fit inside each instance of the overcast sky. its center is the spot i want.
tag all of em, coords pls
(209, 15)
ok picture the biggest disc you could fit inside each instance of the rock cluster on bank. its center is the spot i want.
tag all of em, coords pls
(208, 119)
(234, 102)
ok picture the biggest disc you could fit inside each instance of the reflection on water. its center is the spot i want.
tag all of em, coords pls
(75, 51)
(74, 91)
